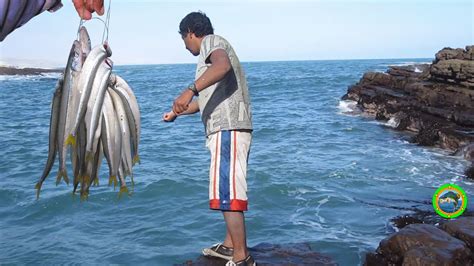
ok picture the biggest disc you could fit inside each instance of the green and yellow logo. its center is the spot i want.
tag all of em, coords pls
(449, 201)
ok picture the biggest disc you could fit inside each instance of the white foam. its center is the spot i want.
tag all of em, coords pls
(417, 70)
(348, 107)
(392, 122)
(54, 75)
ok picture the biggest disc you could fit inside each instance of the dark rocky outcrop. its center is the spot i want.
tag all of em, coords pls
(423, 244)
(436, 101)
(268, 254)
(26, 71)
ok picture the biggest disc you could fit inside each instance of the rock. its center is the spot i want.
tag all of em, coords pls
(422, 244)
(434, 101)
(470, 172)
(269, 254)
(461, 228)
(26, 71)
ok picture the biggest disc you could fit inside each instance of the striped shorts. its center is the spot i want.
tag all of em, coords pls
(228, 171)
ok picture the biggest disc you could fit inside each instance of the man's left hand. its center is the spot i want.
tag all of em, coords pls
(181, 103)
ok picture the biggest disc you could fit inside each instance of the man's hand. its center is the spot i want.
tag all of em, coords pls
(169, 117)
(181, 103)
(85, 8)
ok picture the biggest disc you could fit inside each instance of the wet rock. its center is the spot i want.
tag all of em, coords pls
(461, 228)
(269, 254)
(470, 172)
(422, 244)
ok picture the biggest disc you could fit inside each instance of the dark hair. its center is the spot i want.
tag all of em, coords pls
(197, 23)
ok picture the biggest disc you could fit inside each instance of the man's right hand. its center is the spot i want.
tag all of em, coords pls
(169, 117)
(85, 8)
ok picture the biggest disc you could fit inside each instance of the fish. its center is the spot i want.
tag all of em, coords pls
(85, 82)
(94, 107)
(111, 138)
(53, 130)
(133, 112)
(125, 131)
(85, 41)
(71, 73)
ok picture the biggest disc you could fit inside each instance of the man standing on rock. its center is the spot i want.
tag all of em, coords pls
(223, 101)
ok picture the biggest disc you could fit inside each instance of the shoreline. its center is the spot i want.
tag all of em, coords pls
(13, 71)
(434, 103)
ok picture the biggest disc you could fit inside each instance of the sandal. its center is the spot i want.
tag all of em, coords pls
(219, 251)
(249, 261)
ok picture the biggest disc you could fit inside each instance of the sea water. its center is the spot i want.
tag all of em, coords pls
(319, 172)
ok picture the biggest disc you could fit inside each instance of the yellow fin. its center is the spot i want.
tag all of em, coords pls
(96, 181)
(113, 179)
(123, 189)
(71, 140)
(89, 156)
(62, 175)
(38, 189)
(84, 195)
(136, 159)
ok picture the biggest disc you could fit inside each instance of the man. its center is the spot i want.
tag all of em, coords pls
(15, 13)
(223, 101)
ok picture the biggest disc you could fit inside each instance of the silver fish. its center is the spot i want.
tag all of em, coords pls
(71, 73)
(111, 138)
(125, 131)
(133, 112)
(86, 79)
(53, 130)
(94, 107)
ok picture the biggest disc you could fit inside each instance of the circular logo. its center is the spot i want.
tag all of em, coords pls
(449, 201)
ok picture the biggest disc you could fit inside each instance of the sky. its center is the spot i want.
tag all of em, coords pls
(146, 32)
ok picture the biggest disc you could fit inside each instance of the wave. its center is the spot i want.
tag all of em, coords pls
(30, 77)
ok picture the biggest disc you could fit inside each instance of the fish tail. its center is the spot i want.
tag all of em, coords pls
(136, 159)
(113, 179)
(131, 178)
(123, 189)
(38, 189)
(70, 140)
(89, 156)
(62, 174)
(84, 195)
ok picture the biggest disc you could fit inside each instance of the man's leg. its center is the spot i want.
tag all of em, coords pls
(235, 222)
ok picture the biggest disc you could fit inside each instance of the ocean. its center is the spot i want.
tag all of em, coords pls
(319, 173)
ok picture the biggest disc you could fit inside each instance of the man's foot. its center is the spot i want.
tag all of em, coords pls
(219, 251)
(249, 261)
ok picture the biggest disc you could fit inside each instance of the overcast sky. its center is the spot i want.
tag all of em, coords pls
(146, 32)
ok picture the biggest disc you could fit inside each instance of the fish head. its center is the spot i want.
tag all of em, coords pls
(85, 41)
(77, 56)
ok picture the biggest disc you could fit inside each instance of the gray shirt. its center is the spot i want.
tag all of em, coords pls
(226, 104)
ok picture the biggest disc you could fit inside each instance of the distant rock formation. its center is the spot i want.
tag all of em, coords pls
(26, 71)
(436, 101)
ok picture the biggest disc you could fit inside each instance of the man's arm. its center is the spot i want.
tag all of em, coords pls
(220, 65)
(192, 109)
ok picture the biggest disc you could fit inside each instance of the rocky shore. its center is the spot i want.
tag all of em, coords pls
(435, 102)
(5, 70)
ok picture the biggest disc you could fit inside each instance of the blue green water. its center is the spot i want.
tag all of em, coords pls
(316, 174)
